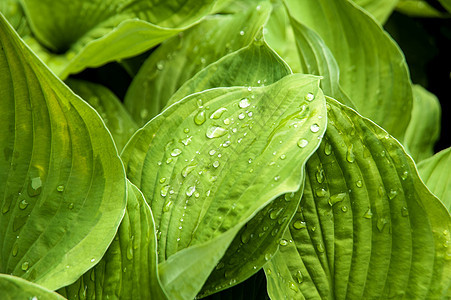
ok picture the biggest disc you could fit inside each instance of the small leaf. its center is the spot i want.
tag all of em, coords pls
(424, 127)
(62, 184)
(195, 194)
(373, 71)
(372, 229)
(109, 107)
(179, 58)
(129, 268)
(435, 173)
(17, 288)
(92, 33)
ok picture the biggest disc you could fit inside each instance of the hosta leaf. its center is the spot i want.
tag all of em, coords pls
(317, 59)
(446, 4)
(113, 113)
(279, 35)
(178, 59)
(367, 227)
(13, 12)
(373, 72)
(17, 288)
(91, 33)
(379, 9)
(200, 161)
(418, 8)
(62, 184)
(435, 173)
(129, 268)
(254, 65)
(424, 127)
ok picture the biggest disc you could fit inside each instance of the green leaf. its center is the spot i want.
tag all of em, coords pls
(129, 268)
(254, 65)
(446, 4)
(200, 161)
(379, 9)
(435, 173)
(17, 288)
(91, 33)
(179, 58)
(279, 35)
(13, 12)
(373, 71)
(367, 227)
(317, 59)
(418, 8)
(109, 107)
(62, 184)
(424, 127)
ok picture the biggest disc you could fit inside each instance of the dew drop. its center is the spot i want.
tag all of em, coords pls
(70, 206)
(241, 116)
(404, 175)
(164, 190)
(309, 97)
(187, 141)
(298, 276)
(227, 121)
(359, 183)
(275, 213)
(162, 180)
(190, 191)
(298, 224)
(160, 65)
(283, 242)
(368, 214)
(283, 156)
(268, 256)
(404, 212)
(320, 175)
(344, 209)
(216, 164)
(60, 188)
(244, 103)
(167, 206)
(314, 128)
(392, 194)
(302, 143)
(218, 113)
(215, 132)
(350, 156)
(35, 187)
(241, 32)
(23, 204)
(328, 149)
(15, 249)
(186, 170)
(289, 196)
(320, 192)
(226, 144)
(176, 152)
(25, 266)
(334, 199)
(129, 252)
(320, 247)
(169, 160)
(380, 224)
(186, 130)
(200, 118)
(277, 178)
(292, 286)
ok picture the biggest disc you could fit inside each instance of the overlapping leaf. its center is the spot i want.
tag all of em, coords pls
(178, 59)
(62, 184)
(201, 161)
(418, 8)
(435, 173)
(113, 113)
(17, 288)
(379, 9)
(373, 72)
(92, 33)
(129, 268)
(367, 227)
(424, 127)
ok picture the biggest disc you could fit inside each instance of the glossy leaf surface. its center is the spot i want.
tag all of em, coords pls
(435, 173)
(373, 71)
(59, 168)
(201, 160)
(109, 107)
(17, 288)
(129, 268)
(178, 59)
(367, 227)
